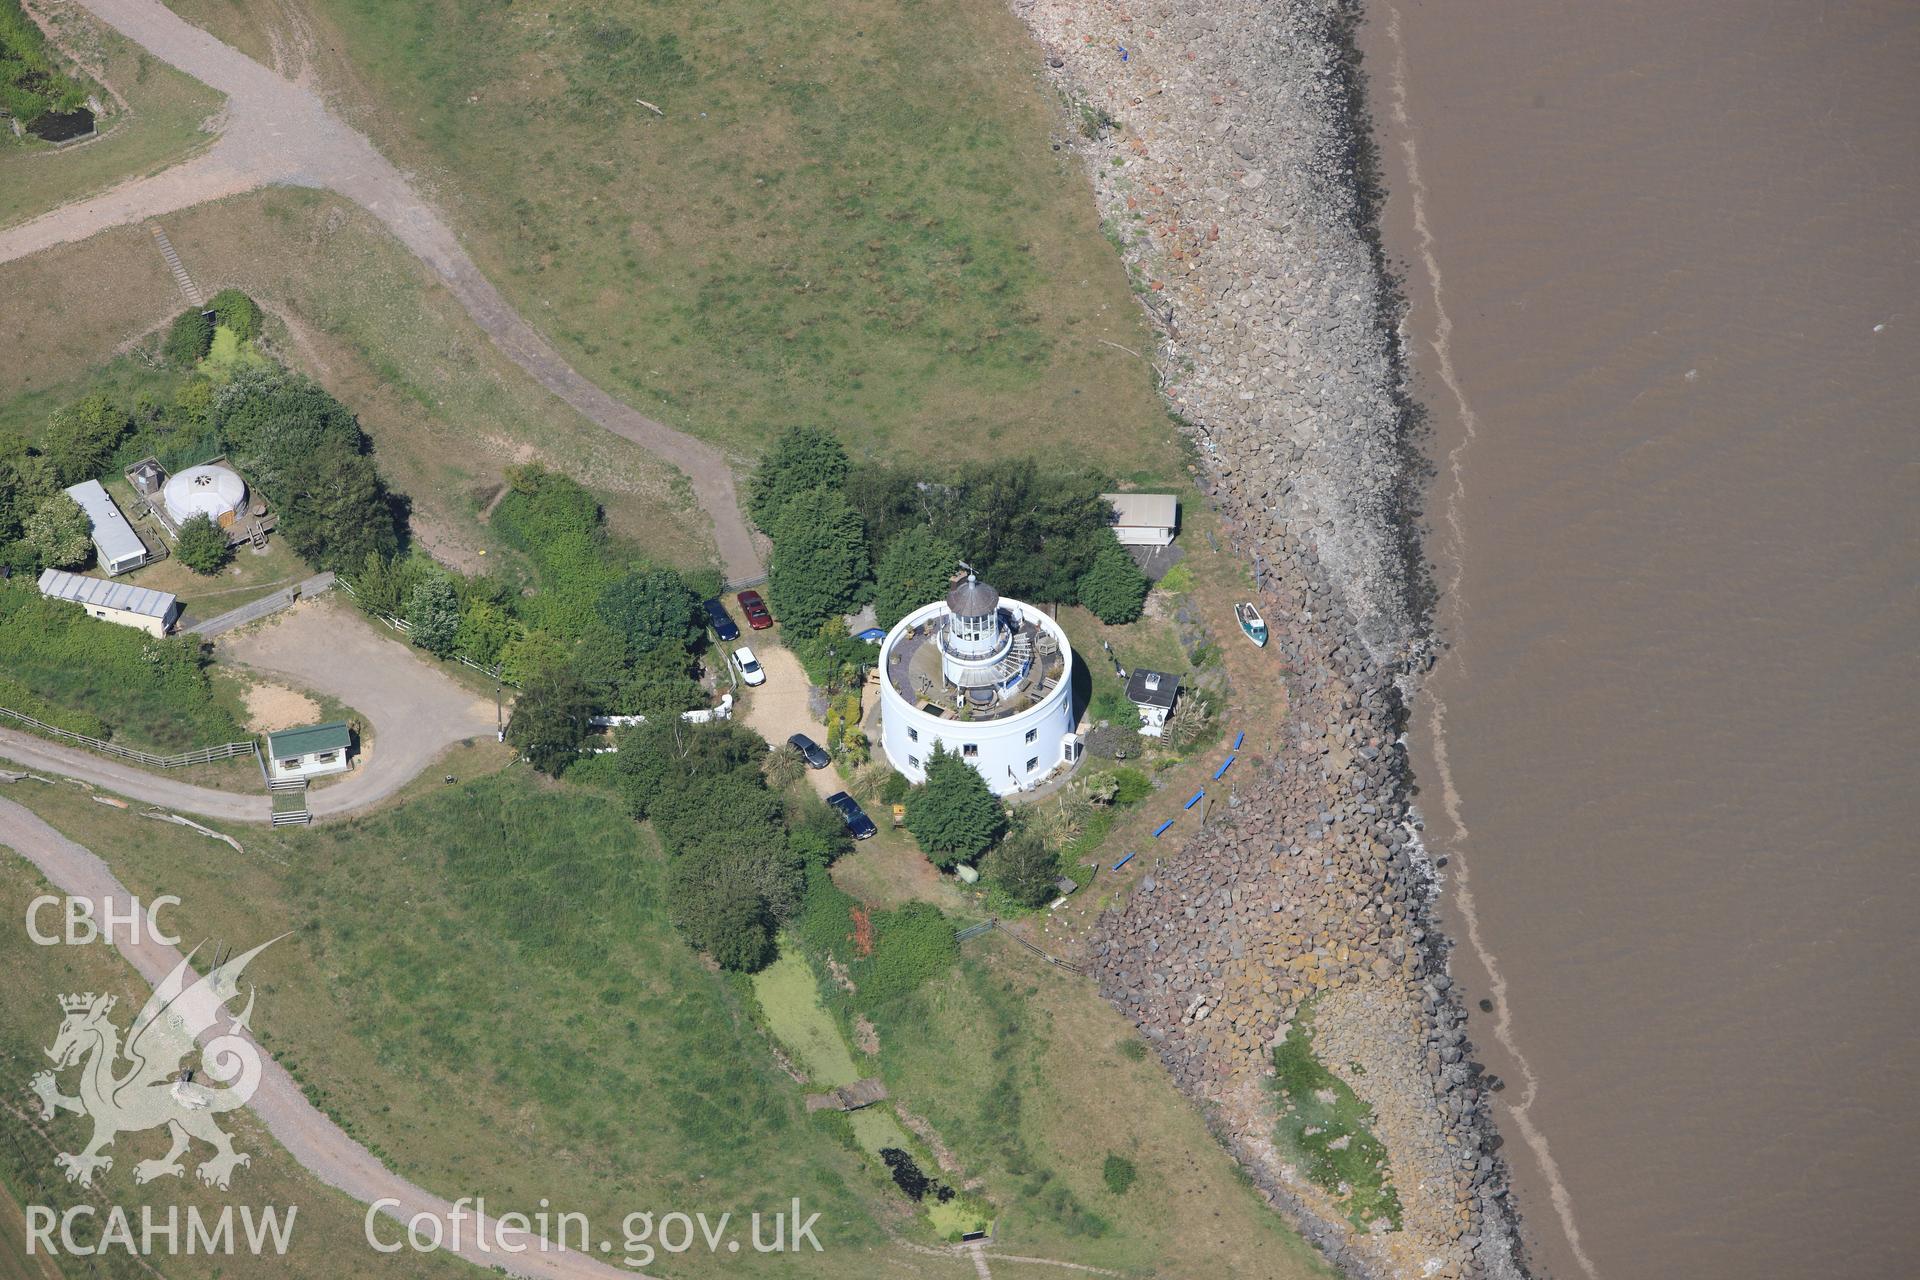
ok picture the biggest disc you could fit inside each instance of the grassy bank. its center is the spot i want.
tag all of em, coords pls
(482, 989)
(105, 680)
(158, 125)
(326, 1240)
(848, 213)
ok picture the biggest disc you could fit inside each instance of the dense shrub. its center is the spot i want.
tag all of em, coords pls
(82, 436)
(735, 874)
(914, 570)
(202, 545)
(189, 339)
(58, 532)
(819, 568)
(234, 310)
(1025, 868)
(433, 616)
(910, 947)
(1118, 1173)
(151, 693)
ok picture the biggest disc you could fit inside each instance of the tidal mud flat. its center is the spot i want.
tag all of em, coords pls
(1229, 154)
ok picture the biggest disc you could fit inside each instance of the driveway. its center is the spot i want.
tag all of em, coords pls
(778, 709)
(416, 710)
(281, 133)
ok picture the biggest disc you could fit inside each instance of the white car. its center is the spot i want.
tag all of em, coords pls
(750, 669)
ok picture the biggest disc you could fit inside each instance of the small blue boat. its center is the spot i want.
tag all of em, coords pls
(1251, 622)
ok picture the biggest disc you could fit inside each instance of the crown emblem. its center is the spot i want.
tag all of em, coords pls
(82, 1003)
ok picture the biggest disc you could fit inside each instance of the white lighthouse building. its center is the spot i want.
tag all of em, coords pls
(987, 678)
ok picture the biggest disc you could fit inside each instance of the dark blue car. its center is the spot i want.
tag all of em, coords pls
(720, 620)
(852, 814)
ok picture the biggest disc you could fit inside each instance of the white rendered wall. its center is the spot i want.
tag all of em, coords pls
(908, 734)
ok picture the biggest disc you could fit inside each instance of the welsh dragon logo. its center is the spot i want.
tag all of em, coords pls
(147, 1082)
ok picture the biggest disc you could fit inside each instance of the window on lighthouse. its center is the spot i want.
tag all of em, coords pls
(970, 750)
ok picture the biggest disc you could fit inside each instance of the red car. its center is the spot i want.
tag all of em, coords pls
(756, 610)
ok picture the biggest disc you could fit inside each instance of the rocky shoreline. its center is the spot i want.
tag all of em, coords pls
(1232, 163)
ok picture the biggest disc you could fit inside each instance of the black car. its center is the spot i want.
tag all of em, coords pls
(852, 814)
(720, 620)
(815, 754)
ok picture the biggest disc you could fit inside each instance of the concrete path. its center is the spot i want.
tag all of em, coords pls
(319, 584)
(280, 133)
(319, 1145)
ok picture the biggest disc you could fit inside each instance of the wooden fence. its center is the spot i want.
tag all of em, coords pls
(146, 759)
(404, 627)
(975, 930)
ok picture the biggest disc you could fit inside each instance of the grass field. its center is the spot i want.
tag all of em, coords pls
(159, 125)
(485, 992)
(326, 1240)
(447, 412)
(1033, 1080)
(848, 214)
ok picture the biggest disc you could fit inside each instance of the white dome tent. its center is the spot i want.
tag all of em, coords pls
(209, 490)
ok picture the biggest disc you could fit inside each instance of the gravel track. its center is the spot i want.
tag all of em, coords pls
(280, 133)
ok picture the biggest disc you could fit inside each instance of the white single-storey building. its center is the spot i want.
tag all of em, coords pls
(115, 544)
(1154, 693)
(311, 751)
(1144, 519)
(122, 602)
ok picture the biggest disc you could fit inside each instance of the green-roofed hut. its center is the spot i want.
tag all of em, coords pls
(312, 751)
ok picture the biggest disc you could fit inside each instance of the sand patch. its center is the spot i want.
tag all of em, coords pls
(272, 707)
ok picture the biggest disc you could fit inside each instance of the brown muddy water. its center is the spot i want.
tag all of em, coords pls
(1666, 315)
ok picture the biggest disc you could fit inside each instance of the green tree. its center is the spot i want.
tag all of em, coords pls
(651, 609)
(1025, 868)
(237, 312)
(819, 566)
(433, 615)
(1029, 531)
(58, 531)
(189, 339)
(954, 816)
(713, 898)
(81, 437)
(25, 478)
(803, 458)
(785, 766)
(1113, 588)
(915, 569)
(202, 545)
(337, 512)
(550, 718)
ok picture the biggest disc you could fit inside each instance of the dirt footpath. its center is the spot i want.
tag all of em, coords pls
(282, 133)
(416, 710)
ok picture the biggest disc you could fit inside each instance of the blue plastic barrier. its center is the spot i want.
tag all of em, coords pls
(1123, 862)
(1239, 738)
(1157, 831)
(1194, 799)
(1223, 768)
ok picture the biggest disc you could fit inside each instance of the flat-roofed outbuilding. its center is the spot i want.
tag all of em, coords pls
(152, 611)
